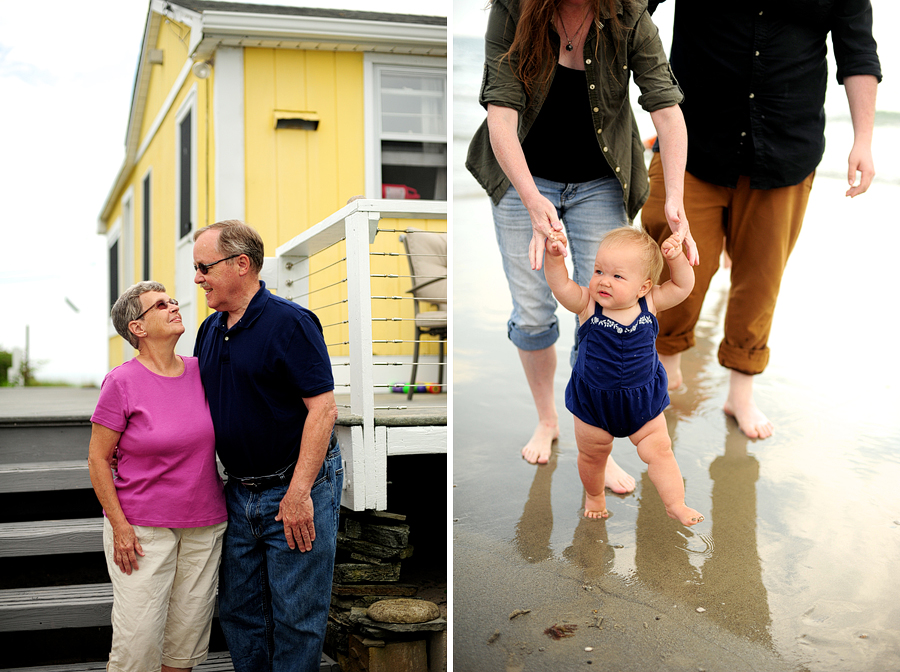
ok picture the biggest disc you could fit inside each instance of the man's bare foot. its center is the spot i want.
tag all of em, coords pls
(537, 450)
(684, 514)
(595, 507)
(672, 365)
(741, 407)
(617, 479)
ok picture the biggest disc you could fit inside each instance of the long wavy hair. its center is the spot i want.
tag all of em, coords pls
(531, 45)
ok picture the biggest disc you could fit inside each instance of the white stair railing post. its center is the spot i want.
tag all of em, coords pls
(359, 231)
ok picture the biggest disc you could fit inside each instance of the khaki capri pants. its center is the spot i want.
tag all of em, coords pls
(162, 612)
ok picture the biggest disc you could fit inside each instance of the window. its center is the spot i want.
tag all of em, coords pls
(410, 127)
(185, 191)
(145, 225)
(113, 272)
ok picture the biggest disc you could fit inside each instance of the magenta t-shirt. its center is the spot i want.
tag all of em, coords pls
(167, 473)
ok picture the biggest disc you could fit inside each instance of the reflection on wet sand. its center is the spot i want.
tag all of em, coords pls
(536, 524)
(721, 571)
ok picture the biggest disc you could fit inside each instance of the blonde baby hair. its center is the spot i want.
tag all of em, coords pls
(651, 255)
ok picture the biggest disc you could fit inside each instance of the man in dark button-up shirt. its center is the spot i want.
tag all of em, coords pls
(754, 75)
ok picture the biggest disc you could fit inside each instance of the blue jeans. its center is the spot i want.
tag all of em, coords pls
(273, 602)
(588, 210)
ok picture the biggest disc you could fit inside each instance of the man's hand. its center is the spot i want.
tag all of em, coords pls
(296, 512)
(678, 223)
(860, 163)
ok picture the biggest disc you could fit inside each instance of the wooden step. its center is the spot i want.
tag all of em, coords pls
(54, 607)
(219, 661)
(51, 537)
(41, 476)
(89, 605)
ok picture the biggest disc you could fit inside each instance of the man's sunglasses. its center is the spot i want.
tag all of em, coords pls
(204, 268)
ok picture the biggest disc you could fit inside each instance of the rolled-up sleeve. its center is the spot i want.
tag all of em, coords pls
(499, 85)
(855, 50)
(650, 67)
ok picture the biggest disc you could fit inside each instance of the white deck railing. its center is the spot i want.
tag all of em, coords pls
(369, 431)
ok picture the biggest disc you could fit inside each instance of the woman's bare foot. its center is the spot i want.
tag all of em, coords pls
(741, 407)
(595, 507)
(684, 514)
(537, 450)
(672, 365)
(617, 479)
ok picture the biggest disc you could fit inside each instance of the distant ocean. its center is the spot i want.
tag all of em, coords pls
(468, 65)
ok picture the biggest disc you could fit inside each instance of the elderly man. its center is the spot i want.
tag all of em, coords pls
(268, 379)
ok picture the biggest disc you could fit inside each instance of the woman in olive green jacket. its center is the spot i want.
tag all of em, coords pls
(560, 148)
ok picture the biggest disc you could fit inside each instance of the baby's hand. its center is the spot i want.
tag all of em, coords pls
(556, 243)
(671, 246)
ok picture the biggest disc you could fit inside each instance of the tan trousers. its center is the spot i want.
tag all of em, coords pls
(759, 228)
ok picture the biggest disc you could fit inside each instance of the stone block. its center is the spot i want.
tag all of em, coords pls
(399, 657)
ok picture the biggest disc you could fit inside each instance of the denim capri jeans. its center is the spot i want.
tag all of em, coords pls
(588, 210)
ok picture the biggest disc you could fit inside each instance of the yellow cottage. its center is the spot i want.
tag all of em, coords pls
(277, 116)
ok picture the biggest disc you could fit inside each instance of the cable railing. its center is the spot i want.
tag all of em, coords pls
(355, 270)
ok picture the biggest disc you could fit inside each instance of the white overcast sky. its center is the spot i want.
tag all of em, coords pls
(66, 75)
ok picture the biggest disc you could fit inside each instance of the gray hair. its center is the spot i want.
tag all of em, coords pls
(236, 237)
(128, 306)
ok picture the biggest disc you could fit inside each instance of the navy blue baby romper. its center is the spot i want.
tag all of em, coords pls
(618, 383)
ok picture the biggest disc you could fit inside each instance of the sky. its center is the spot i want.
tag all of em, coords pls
(66, 77)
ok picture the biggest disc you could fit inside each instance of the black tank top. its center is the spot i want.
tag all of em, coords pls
(562, 144)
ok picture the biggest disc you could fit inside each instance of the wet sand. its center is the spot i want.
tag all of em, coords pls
(795, 566)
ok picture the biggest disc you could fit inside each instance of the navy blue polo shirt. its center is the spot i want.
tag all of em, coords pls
(256, 375)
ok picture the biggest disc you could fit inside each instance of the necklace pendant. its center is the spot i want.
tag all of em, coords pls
(569, 47)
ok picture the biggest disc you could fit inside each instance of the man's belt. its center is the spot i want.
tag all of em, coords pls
(281, 477)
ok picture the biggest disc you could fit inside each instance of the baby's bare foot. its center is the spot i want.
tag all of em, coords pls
(595, 507)
(537, 450)
(684, 514)
(617, 479)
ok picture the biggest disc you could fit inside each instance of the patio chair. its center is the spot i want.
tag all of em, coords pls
(427, 255)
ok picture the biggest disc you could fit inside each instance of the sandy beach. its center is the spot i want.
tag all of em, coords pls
(795, 565)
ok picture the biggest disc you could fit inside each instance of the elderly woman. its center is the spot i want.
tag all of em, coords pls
(560, 149)
(163, 502)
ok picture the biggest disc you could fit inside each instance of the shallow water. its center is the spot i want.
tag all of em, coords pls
(800, 548)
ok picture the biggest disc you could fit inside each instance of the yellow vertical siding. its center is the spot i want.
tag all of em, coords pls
(296, 178)
(172, 39)
(259, 131)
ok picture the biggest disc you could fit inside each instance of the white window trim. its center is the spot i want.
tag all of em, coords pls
(228, 110)
(372, 106)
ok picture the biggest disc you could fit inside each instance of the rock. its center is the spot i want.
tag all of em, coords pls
(403, 611)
